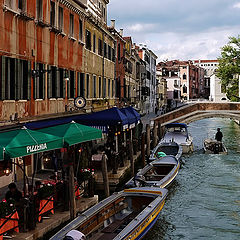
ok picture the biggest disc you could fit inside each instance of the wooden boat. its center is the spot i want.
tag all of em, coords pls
(128, 214)
(213, 146)
(159, 173)
(177, 132)
(169, 148)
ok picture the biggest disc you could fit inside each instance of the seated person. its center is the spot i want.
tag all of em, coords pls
(13, 193)
(37, 186)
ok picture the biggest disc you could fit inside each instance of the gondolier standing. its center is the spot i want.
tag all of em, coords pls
(219, 135)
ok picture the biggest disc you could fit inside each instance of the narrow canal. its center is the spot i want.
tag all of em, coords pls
(204, 201)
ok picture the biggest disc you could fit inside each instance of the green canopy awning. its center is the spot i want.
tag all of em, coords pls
(23, 142)
(74, 133)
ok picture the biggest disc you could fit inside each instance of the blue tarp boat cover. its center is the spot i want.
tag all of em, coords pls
(170, 125)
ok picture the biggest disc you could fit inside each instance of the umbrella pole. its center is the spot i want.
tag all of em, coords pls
(24, 180)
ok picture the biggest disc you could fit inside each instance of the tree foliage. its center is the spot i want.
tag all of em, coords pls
(229, 67)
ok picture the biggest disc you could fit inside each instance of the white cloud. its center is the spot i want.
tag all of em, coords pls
(189, 30)
(236, 5)
(138, 27)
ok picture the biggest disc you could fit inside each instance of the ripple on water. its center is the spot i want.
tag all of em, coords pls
(204, 201)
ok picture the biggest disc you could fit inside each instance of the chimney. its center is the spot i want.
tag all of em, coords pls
(112, 23)
(121, 32)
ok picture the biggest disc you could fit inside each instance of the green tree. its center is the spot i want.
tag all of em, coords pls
(229, 67)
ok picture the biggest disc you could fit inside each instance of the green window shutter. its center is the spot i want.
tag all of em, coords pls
(3, 78)
(68, 86)
(35, 80)
(74, 84)
(57, 83)
(43, 84)
(17, 79)
(20, 79)
(49, 84)
(29, 80)
(78, 83)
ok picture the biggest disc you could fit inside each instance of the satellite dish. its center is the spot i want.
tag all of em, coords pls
(80, 102)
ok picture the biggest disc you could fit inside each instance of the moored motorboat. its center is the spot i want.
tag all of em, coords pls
(177, 132)
(169, 148)
(213, 146)
(128, 214)
(159, 173)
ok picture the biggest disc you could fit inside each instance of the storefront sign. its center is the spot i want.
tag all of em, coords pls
(36, 148)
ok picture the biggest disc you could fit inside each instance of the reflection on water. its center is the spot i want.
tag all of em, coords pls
(204, 201)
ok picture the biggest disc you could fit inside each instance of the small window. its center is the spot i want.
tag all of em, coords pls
(113, 54)
(100, 87)
(60, 18)
(39, 9)
(87, 85)
(80, 30)
(105, 50)
(184, 76)
(71, 27)
(109, 52)
(109, 87)
(119, 52)
(100, 47)
(94, 43)
(52, 14)
(88, 40)
(22, 4)
(94, 87)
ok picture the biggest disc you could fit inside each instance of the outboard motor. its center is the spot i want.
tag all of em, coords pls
(139, 181)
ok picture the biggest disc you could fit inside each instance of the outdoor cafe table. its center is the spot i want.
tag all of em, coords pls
(46, 205)
(9, 222)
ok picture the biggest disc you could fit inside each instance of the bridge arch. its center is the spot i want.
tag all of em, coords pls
(201, 110)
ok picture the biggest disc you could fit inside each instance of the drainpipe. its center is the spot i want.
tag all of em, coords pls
(188, 90)
(103, 72)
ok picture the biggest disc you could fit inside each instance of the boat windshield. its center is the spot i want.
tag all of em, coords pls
(177, 129)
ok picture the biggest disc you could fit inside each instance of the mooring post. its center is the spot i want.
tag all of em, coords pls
(155, 136)
(148, 139)
(143, 148)
(159, 131)
(105, 175)
(131, 154)
(72, 201)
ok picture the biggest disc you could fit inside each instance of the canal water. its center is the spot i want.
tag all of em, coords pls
(204, 201)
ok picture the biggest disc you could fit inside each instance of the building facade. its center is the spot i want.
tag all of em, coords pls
(149, 84)
(52, 51)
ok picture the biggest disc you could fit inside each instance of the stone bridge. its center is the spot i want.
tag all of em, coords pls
(200, 110)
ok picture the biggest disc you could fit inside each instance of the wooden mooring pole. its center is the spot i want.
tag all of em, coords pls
(143, 148)
(159, 131)
(155, 136)
(131, 154)
(72, 200)
(105, 176)
(148, 139)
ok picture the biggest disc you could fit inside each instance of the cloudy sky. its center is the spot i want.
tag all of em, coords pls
(178, 29)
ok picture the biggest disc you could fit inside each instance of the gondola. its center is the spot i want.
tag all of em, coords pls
(212, 146)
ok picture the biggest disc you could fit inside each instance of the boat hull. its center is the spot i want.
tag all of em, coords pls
(127, 215)
(159, 173)
(211, 146)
